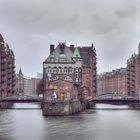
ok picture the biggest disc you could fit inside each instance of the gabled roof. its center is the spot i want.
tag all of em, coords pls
(76, 54)
(60, 52)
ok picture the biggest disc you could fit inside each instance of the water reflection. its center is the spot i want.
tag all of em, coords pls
(108, 106)
(26, 106)
(22, 124)
(6, 123)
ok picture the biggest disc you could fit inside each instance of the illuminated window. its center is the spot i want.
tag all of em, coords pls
(50, 86)
(63, 95)
(55, 87)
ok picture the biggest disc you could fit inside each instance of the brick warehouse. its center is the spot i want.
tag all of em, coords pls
(133, 74)
(89, 70)
(26, 85)
(69, 78)
(113, 82)
(7, 69)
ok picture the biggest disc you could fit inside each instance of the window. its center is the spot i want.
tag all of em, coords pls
(63, 95)
(55, 70)
(48, 70)
(62, 60)
(65, 70)
(68, 78)
(52, 59)
(55, 78)
(77, 75)
(76, 80)
(70, 70)
(76, 70)
(79, 70)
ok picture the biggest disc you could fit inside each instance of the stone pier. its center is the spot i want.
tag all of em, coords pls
(5, 105)
(61, 108)
(61, 98)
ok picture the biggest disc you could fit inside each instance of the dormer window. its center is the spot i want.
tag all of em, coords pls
(52, 58)
(62, 58)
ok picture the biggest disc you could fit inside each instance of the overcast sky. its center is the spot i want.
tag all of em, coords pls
(30, 26)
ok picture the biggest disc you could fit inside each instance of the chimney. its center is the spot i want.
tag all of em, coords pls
(51, 48)
(72, 48)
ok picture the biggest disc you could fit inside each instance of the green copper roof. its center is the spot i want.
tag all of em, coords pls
(61, 53)
(76, 54)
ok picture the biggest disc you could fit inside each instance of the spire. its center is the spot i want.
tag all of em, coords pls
(92, 45)
(139, 48)
(20, 72)
(76, 54)
(1, 38)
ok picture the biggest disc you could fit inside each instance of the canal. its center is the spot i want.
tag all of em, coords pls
(105, 122)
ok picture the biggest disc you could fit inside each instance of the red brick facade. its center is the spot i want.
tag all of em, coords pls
(133, 74)
(7, 70)
(89, 70)
(113, 82)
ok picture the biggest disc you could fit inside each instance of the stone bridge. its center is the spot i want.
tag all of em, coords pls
(113, 98)
(22, 98)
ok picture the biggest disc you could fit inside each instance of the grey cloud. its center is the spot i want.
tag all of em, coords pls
(30, 26)
(127, 10)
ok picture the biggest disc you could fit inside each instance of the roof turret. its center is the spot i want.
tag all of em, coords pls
(76, 54)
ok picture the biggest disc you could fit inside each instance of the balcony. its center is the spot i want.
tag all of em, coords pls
(2, 69)
(9, 78)
(133, 75)
(3, 57)
(13, 67)
(13, 91)
(3, 80)
(2, 89)
(9, 62)
(13, 75)
(13, 85)
(9, 83)
(3, 62)
(13, 80)
(8, 73)
(8, 90)
(3, 74)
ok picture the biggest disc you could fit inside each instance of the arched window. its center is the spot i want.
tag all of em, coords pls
(68, 78)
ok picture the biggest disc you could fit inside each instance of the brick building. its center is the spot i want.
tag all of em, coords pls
(7, 69)
(89, 70)
(113, 82)
(133, 74)
(26, 84)
(75, 67)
